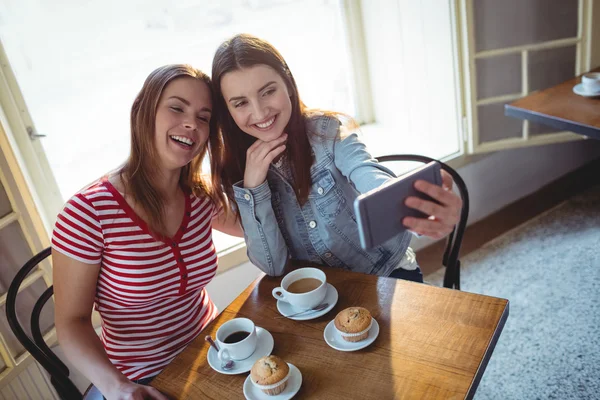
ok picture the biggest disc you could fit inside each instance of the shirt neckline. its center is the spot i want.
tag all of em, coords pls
(142, 224)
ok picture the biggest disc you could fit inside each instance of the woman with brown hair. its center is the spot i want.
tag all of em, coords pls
(137, 243)
(294, 173)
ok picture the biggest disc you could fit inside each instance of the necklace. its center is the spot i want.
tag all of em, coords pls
(279, 161)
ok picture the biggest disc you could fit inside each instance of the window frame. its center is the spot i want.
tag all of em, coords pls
(468, 55)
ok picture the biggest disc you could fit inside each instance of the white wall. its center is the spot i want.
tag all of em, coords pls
(506, 176)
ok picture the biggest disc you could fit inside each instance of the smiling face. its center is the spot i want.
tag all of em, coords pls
(182, 122)
(258, 100)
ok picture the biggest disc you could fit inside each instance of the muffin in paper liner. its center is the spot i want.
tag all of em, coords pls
(355, 337)
(276, 387)
(353, 323)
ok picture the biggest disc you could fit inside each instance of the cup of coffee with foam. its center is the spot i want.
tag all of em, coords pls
(303, 288)
(236, 339)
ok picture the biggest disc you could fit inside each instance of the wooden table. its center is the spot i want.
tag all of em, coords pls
(434, 343)
(560, 108)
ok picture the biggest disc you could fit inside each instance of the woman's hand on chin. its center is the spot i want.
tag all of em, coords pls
(258, 158)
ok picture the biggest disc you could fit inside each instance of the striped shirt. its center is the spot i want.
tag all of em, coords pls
(150, 292)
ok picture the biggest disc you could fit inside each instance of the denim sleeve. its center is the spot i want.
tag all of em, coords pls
(266, 247)
(356, 163)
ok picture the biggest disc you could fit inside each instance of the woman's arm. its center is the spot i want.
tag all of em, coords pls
(266, 247)
(228, 224)
(356, 164)
(74, 291)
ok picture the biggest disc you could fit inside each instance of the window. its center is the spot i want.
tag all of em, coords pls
(513, 48)
(413, 71)
(79, 65)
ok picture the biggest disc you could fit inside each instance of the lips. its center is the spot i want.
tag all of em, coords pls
(266, 124)
(182, 141)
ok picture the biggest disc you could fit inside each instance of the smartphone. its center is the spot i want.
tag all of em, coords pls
(379, 212)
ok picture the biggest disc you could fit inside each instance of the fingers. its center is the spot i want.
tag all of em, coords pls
(443, 216)
(441, 195)
(429, 208)
(447, 182)
(258, 158)
(433, 228)
(269, 157)
(259, 150)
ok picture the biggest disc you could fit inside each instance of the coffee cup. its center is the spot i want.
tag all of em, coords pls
(590, 82)
(303, 288)
(236, 339)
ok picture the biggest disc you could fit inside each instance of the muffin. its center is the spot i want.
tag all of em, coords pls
(270, 374)
(353, 323)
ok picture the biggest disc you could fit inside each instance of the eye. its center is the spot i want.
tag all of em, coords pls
(269, 92)
(203, 119)
(176, 109)
(239, 104)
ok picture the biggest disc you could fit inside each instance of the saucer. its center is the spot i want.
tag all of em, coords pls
(334, 339)
(578, 89)
(331, 297)
(293, 385)
(264, 346)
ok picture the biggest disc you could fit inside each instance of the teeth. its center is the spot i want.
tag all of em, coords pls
(183, 139)
(266, 124)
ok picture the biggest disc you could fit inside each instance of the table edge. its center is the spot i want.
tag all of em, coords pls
(488, 352)
(555, 122)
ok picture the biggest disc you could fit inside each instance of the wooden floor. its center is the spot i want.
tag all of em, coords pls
(514, 214)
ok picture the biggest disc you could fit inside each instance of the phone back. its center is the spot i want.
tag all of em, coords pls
(380, 211)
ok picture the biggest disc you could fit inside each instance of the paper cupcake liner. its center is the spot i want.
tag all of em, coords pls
(273, 386)
(354, 334)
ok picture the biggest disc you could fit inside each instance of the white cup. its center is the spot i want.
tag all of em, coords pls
(302, 301)
(238, 350)
(591, 82)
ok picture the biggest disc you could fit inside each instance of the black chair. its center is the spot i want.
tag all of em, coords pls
(454, 240)
(59, 373)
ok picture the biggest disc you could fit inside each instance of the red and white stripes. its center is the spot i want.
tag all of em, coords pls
(150, 291)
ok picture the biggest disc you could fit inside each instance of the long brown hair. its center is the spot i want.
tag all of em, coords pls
(243, 51)
(139, 172)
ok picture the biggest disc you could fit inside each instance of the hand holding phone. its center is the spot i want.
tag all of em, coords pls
(380, 211)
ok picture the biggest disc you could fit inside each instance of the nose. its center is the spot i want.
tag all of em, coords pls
(259, 111)
(190, 124)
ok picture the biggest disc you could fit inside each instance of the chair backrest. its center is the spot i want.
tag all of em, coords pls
(36, 346)
(454, 241)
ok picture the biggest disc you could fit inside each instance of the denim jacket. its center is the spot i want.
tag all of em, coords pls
(323, 230)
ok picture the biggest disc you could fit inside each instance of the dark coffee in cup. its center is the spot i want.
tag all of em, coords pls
(236, 337)
(304, 285)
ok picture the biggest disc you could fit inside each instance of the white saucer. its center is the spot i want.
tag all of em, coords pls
(331, 297)
(334, 339)
(293, 385)
(578, 89)
(264, 346)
